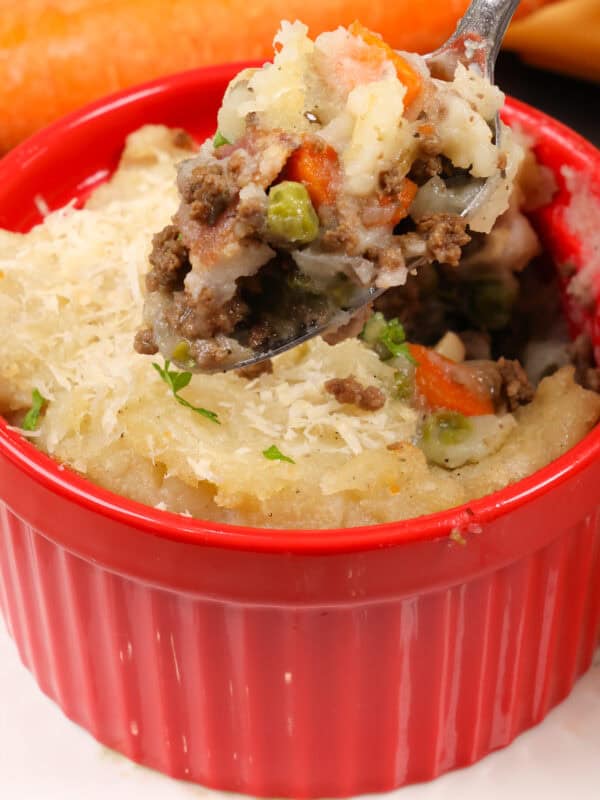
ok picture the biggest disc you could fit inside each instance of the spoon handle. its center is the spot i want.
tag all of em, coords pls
(488, 20)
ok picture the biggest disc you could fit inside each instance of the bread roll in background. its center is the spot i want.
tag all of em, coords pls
(56, 55)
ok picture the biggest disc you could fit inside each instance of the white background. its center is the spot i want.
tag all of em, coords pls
(43, 756)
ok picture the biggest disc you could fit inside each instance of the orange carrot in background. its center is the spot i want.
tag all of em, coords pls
(56, 55)
(439, 390)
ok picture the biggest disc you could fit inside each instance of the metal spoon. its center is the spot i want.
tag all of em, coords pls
(476, 42)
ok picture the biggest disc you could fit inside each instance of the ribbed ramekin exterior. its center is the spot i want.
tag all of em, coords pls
(304, 700)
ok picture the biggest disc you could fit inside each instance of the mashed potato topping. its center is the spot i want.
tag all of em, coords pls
(70, 302)
(336, 171)
(359, 105)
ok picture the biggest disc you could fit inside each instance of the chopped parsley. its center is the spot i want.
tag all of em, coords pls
(393, 340)
(220, 140)
(176, 381)
(32, 417)
(273, 453)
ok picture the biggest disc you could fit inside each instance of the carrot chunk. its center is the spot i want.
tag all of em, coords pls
(406, 73)
(316, 165)
(435, 384)
(401, 202)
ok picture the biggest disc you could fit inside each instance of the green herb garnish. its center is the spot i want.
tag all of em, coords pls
(388, 339)
(220, 140)
(32, 417)
(393, 339)
(176, 381)
(273, 453)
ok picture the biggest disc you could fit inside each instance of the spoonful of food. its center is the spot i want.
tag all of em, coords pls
(336, 171)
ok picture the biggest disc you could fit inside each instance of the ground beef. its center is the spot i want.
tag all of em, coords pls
(252, 371)
(515, 390)
(208, 192)
(210, 355)
(200, 318)
(340, 226)
(349, 390)
(444, 234)
(425, 168)
(351, 328)
(340, 238)
(391, 180)
(169, 260)
(144, 342)
(260, 334)
(388, 259)
(251, 217)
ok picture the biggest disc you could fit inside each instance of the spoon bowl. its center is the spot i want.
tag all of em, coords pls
(475, 43)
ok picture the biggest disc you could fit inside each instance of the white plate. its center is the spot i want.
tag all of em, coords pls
(43, 756)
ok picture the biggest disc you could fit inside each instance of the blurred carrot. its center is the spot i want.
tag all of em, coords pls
(56, 55)
(435, 384)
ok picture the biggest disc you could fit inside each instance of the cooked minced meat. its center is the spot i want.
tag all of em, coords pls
(326, 197)
(425, 168)
(252, 371)
(516, 389)
(144, 342)
(208, 191)
(169, 261)
(445, 235)
(349, 390)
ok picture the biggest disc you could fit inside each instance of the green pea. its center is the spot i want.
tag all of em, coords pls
(447, 427)
(290, 214)
(181, 352)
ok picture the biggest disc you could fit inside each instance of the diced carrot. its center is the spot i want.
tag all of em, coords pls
(406, 73)
(435, 384)
(316, 165)
(402, 201)
(426, 129)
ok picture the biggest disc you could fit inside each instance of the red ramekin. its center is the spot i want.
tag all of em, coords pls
(293, 663)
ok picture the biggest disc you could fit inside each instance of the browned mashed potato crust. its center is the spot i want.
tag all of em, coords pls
(70, 302)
